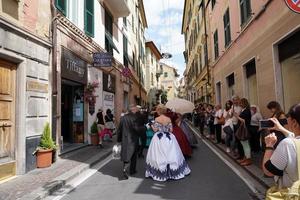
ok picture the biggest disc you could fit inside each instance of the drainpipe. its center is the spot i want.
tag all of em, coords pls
(54, 70)
(206, 48)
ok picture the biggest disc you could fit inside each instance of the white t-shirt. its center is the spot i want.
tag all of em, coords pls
(228, 119)
(285, 158)
(238, 110)
(255, 119)
(218, 114)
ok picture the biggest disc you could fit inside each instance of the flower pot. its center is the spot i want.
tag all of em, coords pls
(44, 158)
(94, 139)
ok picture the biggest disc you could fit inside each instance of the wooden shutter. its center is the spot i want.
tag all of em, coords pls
(89, 17)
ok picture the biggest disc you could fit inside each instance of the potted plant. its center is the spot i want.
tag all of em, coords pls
(94, 134)
(44, 150)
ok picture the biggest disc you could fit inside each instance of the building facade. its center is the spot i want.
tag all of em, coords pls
(255, 51)
(153, 73)
(25, 89)
(198, 71)
(169, 82)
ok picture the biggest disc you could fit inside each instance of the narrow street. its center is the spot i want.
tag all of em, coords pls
(211, 178)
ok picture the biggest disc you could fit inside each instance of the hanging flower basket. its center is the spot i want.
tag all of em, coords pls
(90, 91)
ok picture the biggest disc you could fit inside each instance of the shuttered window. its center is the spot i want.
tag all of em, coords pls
(62, 6)
(226, 20)
(216, 44)
(245, 8)
(89, 17)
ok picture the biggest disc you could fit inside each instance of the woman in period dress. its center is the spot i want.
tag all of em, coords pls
(179, 134)
(184, 125)
(164, 159)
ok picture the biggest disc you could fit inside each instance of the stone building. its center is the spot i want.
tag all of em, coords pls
(153, 73)
(198, 72)
(169, 81)
(25, 89)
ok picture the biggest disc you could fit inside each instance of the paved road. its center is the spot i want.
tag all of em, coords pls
(210, 179)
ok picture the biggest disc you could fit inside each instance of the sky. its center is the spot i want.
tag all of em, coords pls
(164, 19)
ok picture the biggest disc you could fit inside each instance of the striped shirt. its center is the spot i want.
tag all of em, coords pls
(283, 162)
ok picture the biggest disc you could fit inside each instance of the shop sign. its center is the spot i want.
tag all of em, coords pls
(108, 83)
(102, 59)
(294, 5)
(108, 101)
(72, 67)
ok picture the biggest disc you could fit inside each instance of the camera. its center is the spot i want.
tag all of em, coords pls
(264, 124)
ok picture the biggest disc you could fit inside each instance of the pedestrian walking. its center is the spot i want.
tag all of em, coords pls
(282, 162)
(127, 135)
(164, 158)
(109, 120)
(100, 126)
(254, 128)
(141, 127)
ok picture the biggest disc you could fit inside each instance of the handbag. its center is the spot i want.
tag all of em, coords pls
(221, 120)
(292, 193)
(116, 151)
(242, 132)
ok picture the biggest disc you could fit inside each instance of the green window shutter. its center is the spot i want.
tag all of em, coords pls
(89, 17)
(62, 6)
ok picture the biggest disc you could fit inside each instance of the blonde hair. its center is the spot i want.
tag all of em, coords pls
(161, 109)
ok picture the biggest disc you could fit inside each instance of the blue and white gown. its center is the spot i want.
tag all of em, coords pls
(164, 159)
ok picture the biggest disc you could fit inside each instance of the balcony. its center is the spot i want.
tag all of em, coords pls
(118, 8)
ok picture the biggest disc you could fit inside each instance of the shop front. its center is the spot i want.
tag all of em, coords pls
(73, 82)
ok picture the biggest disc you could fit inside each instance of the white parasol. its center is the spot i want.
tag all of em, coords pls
(181, 106)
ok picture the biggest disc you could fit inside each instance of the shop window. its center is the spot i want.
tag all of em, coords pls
(227, 32)
(230, 85)
(245, 8)
(10, 7)
(289, 57)
(251, 82)
(89, 17)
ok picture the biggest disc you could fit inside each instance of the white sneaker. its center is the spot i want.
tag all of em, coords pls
(228, 150)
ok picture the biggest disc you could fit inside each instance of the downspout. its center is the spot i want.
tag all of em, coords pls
(206, 49)
(54, 71)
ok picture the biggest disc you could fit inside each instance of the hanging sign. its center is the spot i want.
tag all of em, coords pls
(126, 72)
(102, 59)
(294, 5)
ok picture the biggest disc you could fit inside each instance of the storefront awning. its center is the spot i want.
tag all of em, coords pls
(110, 40)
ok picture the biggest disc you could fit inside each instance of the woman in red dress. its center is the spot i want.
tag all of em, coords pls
(180, 136)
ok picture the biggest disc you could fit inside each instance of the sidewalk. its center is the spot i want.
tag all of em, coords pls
(39, 183)
(254, 170)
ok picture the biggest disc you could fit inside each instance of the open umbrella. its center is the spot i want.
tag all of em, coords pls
(181, 106)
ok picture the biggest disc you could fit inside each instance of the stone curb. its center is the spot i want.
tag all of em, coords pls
(261, 181)
(62, 180)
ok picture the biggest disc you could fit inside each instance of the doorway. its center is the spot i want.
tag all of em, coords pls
(72, 112)
(7, 119)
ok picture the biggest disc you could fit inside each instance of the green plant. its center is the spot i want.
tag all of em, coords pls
(46, 139)
(94, 128)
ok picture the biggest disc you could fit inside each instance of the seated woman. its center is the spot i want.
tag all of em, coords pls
(180, 136)
(164, 158)
(282, 161)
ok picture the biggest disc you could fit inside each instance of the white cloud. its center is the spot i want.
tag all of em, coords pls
(164, 20)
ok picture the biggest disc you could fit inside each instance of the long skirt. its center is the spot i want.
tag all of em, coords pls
(164, 159)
